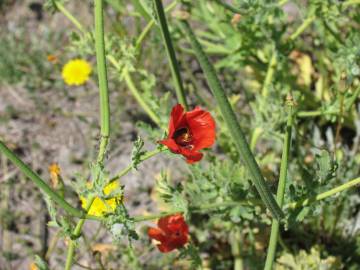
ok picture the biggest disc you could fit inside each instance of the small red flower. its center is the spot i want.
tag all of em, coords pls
(190, 132)
(172, 233)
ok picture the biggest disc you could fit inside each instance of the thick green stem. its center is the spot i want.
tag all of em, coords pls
(103, 82)
(233, 125)
(104, 114)
(39, 182)
(280, 192)
(324, 195)
(174, 64)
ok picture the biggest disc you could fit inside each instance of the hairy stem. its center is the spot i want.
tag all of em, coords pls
(280, 192)
(76, 234)
(233, 125)
(103, 81)
(174, 64)
(104, 114)
(143, 158)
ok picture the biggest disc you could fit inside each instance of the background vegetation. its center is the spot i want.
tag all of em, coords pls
(273, 58)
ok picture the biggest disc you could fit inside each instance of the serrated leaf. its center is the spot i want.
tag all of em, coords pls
(137, 152)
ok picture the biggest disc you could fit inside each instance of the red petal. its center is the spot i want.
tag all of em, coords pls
(164, 248)
(171, 144)
(179, 225)
(176, 119)
(156, 234)
(172, 223)
(163, 224)
(202, 128)
(191, 155)
(175, 232)
(178, 242)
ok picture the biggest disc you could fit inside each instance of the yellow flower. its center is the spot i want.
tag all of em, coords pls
(100, 207)
(76, 72)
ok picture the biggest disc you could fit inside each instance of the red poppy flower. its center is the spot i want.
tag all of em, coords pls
(190, 132)
(172, 233)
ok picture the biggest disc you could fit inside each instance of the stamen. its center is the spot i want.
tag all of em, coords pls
(183, 137)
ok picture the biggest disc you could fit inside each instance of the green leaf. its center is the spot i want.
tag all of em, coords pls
(326, 166)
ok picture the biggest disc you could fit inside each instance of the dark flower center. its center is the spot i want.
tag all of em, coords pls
(183, 137)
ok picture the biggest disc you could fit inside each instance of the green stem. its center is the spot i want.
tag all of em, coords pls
(125, 74)
(302, 27)
(235, 242)
(282, 2)
(104, 114)
(174, 65)
(148, 27)
(233, 125)
(333, 32)
(68, 15)
(305, 114)
(353, 99)
(139, 98)
(76, 234)
(197, 209)
(255, 137)
(212, 206)
(269, 74)
(155, 216)
(324, 195)
(280, 192)
(39, 182)
(103, 82)
(292, 205)
(130, 167)
(112, 60)
(139, 8)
